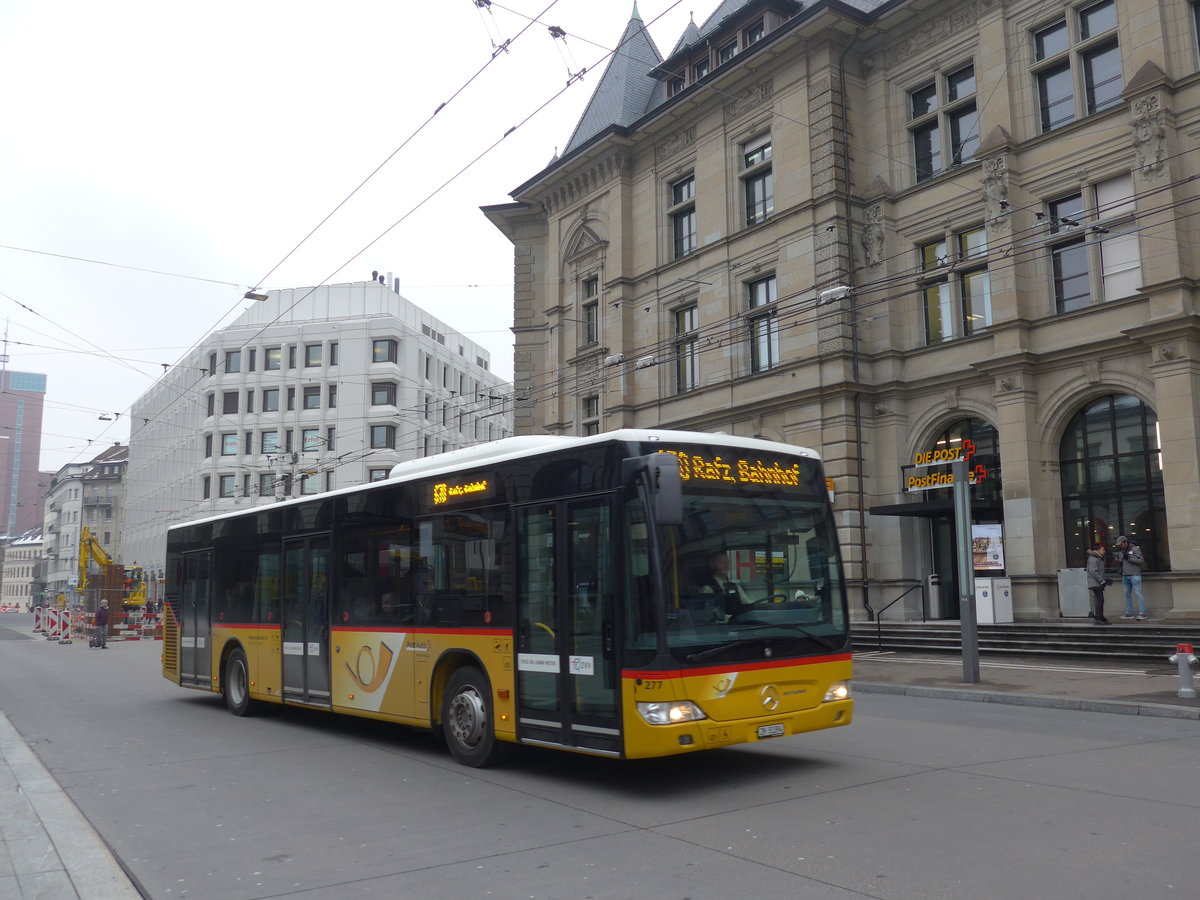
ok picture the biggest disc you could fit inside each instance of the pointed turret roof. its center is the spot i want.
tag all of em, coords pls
(690, 35)
(625, 88)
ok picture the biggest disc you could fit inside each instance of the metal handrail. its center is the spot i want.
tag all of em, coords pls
(879, 615)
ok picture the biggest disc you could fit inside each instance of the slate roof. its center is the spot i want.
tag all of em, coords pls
(627, 91)
(625, 88)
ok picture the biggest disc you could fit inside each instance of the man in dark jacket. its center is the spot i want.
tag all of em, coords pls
(1132, 561)
(102, 625)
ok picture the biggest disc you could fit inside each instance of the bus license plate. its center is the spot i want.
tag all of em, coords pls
(770, 731)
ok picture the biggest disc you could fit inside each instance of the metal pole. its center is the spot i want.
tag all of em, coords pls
(966, 572)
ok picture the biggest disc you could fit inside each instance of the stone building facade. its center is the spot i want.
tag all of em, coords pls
(896, 232)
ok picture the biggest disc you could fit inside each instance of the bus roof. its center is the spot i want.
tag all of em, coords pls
(508, 449)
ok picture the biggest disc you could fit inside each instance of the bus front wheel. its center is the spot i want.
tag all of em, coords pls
(237, 684)
(467, 719)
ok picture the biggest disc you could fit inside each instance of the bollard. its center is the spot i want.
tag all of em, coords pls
(52, 624)
(1183, 655)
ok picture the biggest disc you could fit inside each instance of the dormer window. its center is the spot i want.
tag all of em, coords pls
(754, 33)
(700, 70)
(675, 85)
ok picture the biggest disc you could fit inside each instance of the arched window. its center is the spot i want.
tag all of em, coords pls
(982, 446)
(1112, 481)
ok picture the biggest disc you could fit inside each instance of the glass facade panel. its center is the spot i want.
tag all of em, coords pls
(1121, 491)
(1102, 77)
(1056, 96)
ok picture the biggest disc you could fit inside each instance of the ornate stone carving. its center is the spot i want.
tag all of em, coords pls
(940, 30)
(752, 98)
(680, 140)
(995, 194)
(1149, 126)
(873, 237)
(585, 181)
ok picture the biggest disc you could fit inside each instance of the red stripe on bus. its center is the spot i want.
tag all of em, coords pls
(488, 632)
(740, 667)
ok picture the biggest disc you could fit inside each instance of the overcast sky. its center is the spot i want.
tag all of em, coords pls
(203, 142)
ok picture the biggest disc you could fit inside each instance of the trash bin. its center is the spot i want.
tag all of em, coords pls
(1073, 599)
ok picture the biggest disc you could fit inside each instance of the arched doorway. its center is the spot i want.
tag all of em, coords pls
(981, 444)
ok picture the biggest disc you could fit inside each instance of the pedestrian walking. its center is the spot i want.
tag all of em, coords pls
(102, 625)
(1132, 562)
(1097, 583)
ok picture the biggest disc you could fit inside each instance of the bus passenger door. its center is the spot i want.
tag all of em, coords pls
(566, 672)
(306, 620)
(195, 629)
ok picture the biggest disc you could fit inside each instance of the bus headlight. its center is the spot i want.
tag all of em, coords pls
(671, 713)
(839, 690)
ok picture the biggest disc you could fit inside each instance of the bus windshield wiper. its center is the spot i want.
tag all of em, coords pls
(720, 648)
(816, 638)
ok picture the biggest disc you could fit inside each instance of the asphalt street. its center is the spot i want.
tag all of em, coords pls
(920, 797)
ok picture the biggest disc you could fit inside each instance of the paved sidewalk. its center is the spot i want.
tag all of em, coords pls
(1096, 686)
(48, 849)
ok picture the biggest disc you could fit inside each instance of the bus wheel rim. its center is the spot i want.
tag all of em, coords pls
(237, 682)
(467, 717)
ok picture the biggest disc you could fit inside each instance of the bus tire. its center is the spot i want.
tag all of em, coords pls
(236, 684)
(467, 719)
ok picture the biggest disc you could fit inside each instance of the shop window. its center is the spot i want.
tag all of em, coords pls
(1110, 462)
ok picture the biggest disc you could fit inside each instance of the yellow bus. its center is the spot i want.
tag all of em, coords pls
(632, 594)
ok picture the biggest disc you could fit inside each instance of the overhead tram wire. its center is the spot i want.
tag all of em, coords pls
(359, 187)
(403, 144)
(101, 262)
(729, 331)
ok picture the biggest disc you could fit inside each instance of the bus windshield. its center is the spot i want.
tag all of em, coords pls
(744, 576)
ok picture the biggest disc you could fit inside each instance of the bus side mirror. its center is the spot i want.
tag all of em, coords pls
(660, 473)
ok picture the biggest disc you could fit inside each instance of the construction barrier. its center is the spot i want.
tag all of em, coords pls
(52, 631)
(37, 620)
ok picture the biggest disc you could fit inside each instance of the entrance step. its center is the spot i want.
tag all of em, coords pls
(1127, 641)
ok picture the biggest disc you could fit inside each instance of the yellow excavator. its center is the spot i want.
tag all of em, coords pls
(131, 578)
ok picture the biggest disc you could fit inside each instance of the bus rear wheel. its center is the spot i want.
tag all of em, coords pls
(467, 719)
(236, 684)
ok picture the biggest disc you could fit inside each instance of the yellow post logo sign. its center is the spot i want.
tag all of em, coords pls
(941, 456)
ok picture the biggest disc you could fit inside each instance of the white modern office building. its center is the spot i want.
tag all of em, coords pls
(310, 389)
